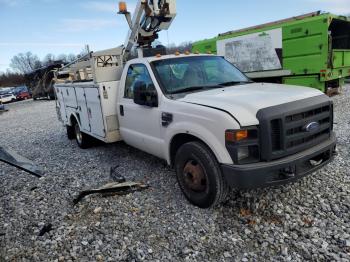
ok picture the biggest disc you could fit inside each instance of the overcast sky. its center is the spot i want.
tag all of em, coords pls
(65, 26)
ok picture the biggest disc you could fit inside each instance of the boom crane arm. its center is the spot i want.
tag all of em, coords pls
(150, 17)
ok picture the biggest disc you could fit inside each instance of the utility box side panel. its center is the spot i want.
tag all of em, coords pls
(109, 97)
(82, 109)
(60, 106)
(306, 47)
(94, 111)
(69, 96)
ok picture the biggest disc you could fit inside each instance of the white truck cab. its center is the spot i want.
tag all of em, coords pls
(207, 120)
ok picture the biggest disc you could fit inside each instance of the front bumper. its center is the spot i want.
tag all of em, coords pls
(281, 171)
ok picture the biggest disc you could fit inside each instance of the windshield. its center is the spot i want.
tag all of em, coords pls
(187, 74)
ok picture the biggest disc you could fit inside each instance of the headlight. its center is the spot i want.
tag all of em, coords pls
(243, 145)
(242, 153)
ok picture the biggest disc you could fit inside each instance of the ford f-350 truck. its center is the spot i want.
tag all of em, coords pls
(213, 125)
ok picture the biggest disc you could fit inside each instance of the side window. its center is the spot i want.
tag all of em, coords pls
(136, 73)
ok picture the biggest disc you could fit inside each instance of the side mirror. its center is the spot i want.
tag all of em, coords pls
(145, 95)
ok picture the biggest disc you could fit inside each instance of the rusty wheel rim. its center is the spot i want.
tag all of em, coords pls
(194, 176)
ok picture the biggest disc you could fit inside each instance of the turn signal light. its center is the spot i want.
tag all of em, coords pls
(235, 136)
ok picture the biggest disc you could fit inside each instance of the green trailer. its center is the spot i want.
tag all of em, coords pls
(310, 50)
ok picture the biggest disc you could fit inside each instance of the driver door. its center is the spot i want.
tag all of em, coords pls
(139, 125)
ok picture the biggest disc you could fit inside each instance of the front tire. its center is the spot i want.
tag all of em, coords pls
(199, 175)
(83, 140)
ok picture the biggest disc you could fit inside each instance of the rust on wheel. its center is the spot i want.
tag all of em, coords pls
(194, 175)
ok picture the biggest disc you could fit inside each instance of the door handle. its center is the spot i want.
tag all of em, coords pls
(121, 110)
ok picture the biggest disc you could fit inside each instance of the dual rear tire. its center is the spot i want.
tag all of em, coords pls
(73, 132)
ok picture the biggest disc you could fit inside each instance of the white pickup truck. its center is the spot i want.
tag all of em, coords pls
(204, 117)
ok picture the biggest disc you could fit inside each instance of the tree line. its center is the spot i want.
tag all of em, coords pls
(24, 63)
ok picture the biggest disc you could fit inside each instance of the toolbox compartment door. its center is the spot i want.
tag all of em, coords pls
(61, 106)
(94, 111)
(82, 109)
(69, 96)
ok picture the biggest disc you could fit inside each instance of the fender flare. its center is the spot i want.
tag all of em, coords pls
(202, 134)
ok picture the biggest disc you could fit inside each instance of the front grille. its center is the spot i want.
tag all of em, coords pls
(276, 134)
(294, 131)
(284, 127)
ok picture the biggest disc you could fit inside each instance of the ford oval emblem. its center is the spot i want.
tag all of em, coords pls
(312, 126)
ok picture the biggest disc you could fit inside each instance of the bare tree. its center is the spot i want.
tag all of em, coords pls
(183, 47)
(48, 60)
(25, 62)
(62, 57)
(71, 58)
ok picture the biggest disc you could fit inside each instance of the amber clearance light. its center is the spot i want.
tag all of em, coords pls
(123, 7)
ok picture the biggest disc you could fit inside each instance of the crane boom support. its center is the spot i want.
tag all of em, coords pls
(150, 17)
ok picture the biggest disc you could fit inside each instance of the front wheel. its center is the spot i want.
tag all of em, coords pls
(83, 140)
(199, 175)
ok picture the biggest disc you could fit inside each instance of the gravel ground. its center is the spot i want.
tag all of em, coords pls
(308, 220)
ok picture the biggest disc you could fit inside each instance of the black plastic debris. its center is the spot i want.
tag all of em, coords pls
(115, 188)
(45, 229)
(116, 176)
(10, 157)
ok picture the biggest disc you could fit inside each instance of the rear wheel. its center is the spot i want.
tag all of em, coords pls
(83, 140)
(199, 175)
(70, 132)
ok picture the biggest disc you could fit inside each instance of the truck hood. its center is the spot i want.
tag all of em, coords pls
(244, 101)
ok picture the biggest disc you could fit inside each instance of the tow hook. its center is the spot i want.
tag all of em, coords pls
(316, 163)
(288, 172)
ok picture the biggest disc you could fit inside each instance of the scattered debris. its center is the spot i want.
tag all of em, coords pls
(45, 229)
(245, 212)
(97, 210)
(116, 188)
(10, 157)
(346, 243)
(308, 222)
(116, 176)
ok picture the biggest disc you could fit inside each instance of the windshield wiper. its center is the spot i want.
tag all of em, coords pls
(232, 83)
(194, 88)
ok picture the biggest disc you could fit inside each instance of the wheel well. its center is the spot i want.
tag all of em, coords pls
(179, 140)
(73, 119)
